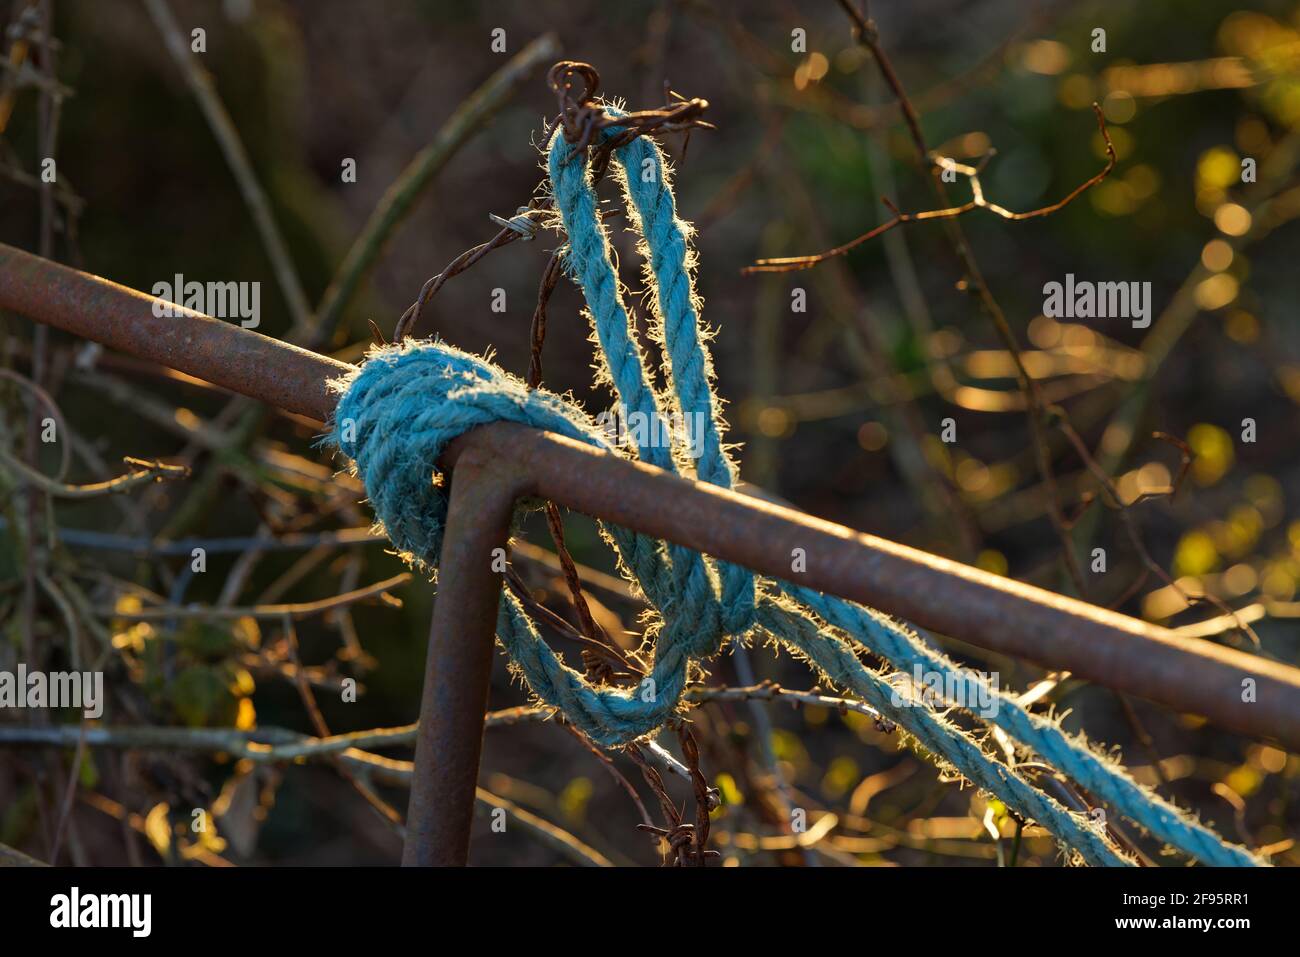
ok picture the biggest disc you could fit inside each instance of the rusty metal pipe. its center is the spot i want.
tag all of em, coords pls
(985, 610)
(457, 671)
(975, 606)
(122, 318)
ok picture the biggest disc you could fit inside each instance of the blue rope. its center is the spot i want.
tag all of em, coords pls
(399, 410)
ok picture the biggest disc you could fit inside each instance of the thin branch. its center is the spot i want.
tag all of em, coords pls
(69, 795)
(1113, 500)
(977, 201)
(294, 611)
(608, 763)
(387, 813)
(401, 196)
(554, 837)
(269, 745)
(232, 147)
(237, 744)
(866, 34)
(47, 400)
(144, 547)
(770, 691)
(146, 471)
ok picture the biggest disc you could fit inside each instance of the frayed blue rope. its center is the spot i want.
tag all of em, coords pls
(399, 410)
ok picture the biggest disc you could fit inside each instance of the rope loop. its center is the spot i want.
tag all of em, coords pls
(675, 325)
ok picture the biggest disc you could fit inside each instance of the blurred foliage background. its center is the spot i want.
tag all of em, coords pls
(838, 406)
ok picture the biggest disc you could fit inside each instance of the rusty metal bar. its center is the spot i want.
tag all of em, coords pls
(985, 610)
(122, 318)
(459, 663)
(975, 606)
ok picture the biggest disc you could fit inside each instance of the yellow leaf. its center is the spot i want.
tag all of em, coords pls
(727, 787)
(573, 799)
(158, 829)
(246, 719)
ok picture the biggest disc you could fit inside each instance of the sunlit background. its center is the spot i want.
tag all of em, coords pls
(839, 380)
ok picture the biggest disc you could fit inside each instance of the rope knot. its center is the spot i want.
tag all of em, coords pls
(399, 410)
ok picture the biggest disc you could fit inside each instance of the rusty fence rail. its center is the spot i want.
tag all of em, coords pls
(510, 461)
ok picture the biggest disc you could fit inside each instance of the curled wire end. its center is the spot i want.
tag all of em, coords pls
(575, 86)
(561, 76)
(576, 115)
